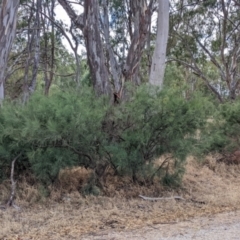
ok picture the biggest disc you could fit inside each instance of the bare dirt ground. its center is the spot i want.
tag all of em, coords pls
(211, 202)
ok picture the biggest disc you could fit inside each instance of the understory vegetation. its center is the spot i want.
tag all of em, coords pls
(73, 129)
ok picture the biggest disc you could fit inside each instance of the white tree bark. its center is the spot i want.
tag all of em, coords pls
(1, 92)
(8, 19)
(159, 55)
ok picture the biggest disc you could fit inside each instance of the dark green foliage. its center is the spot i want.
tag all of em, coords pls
(51, 132)
(230, 124)
(222, 133)
(151, 124)
(73, 128)
(173, 180)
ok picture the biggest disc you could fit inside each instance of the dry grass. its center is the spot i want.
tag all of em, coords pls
(208, 188)
(72, 179)
(217, 184)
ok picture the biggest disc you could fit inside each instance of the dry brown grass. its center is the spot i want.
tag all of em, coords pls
(208, 188)
(217, 184)
(72, 179)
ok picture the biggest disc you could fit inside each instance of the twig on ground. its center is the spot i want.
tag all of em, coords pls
(161, 198)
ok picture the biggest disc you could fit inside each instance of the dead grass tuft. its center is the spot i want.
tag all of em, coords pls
(4, 191)
(72, 179)
(29, 193)
(124, 187)
(215, 183)
(26, 192)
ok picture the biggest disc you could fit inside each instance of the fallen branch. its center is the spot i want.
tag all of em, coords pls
(162, 198)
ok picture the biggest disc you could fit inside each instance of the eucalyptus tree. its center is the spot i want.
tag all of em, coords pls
(26, 59)
(159, 55)
(48, 48)
(115, 34)
(206, 37)
(40, 47)
(8, 20)
(32, 49)
(37, 50)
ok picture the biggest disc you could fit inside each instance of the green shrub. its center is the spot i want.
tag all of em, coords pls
(231, 118)
(11, 142)
(222, 132)
(52, 132)
(150, 124)
(229, 125)
(74, 128)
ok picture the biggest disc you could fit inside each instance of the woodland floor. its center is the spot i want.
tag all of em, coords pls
(212, 200)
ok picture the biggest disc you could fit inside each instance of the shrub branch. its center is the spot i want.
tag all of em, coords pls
(10, 202)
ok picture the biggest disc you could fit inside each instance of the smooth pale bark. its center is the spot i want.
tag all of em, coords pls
(1, 92)
(33, 50)
(36, 47)
(8, 20)
(115, 70)
(159, 55)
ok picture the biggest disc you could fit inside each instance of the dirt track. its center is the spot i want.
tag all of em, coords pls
(221, 226)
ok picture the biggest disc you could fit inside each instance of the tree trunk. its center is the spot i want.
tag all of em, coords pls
(93, 41)
(1, 92)
(105, 69)
(89, 24)
(115, 73)
(36, 57)
(8, 20)
(141, 23)
(159, 55)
